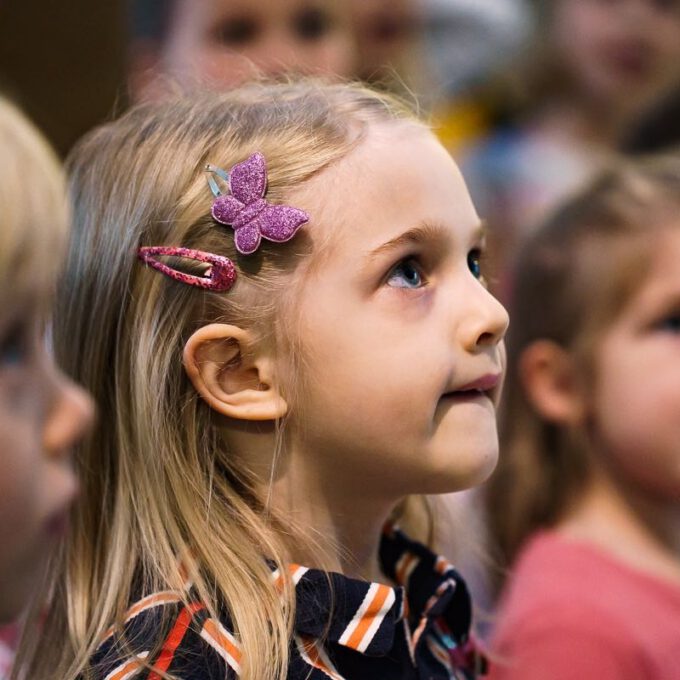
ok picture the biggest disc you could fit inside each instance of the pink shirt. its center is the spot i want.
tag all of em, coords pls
(573, 612)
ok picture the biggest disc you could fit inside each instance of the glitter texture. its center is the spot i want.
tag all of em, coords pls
(249, 214)
(220, 277)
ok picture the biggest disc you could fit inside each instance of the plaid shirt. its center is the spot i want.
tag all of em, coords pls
(345, 629)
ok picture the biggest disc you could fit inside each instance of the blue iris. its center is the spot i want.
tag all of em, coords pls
(406, 274)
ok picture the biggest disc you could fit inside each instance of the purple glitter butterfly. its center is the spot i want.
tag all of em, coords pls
(247, 211)
(220, 276)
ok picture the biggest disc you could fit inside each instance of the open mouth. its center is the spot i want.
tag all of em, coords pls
(485, 386)
(462, 395)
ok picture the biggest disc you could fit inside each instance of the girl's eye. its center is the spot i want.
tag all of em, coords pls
(671, 323)
(238, 31)
(474, 260)
(406, 274)
(312, 24)
(13, 348)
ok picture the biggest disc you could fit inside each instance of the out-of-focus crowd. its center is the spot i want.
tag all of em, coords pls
(571, 549)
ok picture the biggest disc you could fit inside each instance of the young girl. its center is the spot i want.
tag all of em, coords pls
(275, 295)
(586, 501)
(42, 413)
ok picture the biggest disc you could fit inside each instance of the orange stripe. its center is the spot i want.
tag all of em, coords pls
(278, 582)
(166, 597)
(373, 609)
(158, 598)
(223, 640)
(173, 640)
(127, 668)
(312, 650)
(401, 574)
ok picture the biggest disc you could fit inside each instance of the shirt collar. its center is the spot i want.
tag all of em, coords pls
(363, 615)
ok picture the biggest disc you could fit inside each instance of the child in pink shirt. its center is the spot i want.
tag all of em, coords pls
(586, 501)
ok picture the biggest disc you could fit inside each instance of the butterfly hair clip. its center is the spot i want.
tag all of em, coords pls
(249, 214)
(246, 210)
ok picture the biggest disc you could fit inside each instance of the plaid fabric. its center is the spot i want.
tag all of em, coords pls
(345, 629)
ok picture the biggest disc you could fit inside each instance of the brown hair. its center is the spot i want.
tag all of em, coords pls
(573, 278)
(158, 480)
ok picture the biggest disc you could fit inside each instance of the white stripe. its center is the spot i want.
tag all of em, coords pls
(150, 604)
(375, 624)
(130, 673)
(415, 561)
(332, 671)
(298, 574)
(231, 661)
(440, 653)
(370, 595)
(409, 640)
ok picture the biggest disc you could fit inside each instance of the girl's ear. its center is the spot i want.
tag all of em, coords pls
(233, 373)
(551, 383)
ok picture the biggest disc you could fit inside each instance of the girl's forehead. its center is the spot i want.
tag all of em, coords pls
(398, 177)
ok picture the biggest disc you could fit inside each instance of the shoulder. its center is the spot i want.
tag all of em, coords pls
(172, 634)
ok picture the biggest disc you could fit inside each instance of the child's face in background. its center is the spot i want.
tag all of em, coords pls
(402, 341)
(386, 30)
(617, 50)
(637, 398)
(229, 41)
(42, 415)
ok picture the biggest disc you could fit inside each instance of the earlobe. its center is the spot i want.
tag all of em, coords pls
(233, 374)
(551, 382)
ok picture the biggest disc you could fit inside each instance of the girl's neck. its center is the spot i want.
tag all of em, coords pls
(330, 521)
(340, 522)
(636, 529)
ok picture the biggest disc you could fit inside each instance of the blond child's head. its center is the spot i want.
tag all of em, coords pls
(346, 368)
(41, 413)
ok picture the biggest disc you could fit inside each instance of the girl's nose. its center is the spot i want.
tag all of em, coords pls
(487, 321)
(71, 416)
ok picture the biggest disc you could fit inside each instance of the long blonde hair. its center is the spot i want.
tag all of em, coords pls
(158, 482)
(33, 209)
(573, 278)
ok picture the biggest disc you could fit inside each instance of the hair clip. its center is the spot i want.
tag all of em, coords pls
(247, 211)
(220, 276)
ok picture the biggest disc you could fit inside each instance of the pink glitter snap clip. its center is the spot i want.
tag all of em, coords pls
(247, 211)
(219, 277)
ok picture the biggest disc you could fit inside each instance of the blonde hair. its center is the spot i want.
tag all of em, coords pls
(33, 209)
(574, 276)
(158, 482)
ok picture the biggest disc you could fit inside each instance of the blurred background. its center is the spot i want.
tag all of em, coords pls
(531, 97)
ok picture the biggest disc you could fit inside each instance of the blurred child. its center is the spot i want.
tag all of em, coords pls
(222, 43)
(42, 414)
(594, 66)
(586, 502)
(389, 41)
(285, 349)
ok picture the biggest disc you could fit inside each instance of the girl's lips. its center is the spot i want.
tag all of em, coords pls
(482, 387)
(484, 384)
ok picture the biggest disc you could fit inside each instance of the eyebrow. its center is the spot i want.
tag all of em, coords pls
(424, 233)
